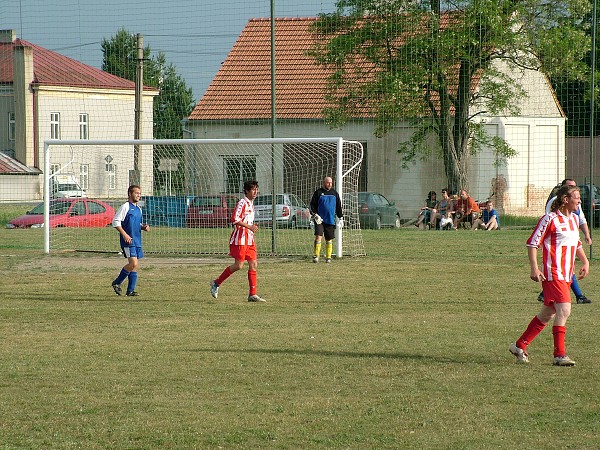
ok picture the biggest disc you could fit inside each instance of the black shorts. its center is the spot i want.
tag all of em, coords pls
(326, 230)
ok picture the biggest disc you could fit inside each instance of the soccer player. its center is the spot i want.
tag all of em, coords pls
(241, 243)
(579, 296)
(128, 222)
(558, 234)
(325, 205)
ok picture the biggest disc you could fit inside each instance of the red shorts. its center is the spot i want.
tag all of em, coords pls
(556, 292)
(243, 252)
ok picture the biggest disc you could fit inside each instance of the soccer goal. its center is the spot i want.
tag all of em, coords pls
(190, 186)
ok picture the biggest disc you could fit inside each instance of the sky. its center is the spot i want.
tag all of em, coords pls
(195, 35)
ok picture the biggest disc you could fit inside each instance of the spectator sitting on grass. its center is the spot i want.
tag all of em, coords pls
(466, 209)
(425, 214)
(489, 219)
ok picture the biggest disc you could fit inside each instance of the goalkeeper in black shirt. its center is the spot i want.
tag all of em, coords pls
(325, 206)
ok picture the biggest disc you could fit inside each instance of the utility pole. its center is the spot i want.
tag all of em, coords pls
(135, 176)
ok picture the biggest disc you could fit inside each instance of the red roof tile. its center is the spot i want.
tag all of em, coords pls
(9, 165)
(53, 69)
(242, 87)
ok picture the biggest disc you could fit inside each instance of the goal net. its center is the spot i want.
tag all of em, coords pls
(190, 187)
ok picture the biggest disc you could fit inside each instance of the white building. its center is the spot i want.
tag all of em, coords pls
(238, 104)
(45, 95)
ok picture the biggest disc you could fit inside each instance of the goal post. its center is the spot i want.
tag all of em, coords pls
(189, 186)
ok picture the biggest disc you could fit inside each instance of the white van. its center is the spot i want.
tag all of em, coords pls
(65, 186)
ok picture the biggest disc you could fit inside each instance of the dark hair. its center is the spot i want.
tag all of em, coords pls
(431, 194)
(445, 190)
(249, 185)
(132, 187)
(563, 182)
(564, 191)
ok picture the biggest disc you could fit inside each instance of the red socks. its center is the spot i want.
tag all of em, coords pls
(534, 328)
(226, 274)
(559, 340)
(252, 281)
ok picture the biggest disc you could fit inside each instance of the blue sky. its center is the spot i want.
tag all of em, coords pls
(195, 35)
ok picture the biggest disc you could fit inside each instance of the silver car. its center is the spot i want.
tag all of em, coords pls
(291, 211)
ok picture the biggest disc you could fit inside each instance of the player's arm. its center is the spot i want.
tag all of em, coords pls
(118, 220)
(313, 206)
(251, 227)
(585, 268)
(535, 274)
(338, 206)
(126, 237)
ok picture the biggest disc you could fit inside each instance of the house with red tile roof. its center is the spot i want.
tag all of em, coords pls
(45, 95)
(237, 104)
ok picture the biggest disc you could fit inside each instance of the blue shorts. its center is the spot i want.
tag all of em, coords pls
(133, 252)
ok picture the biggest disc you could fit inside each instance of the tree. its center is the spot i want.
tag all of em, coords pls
(440, 69)
(574, 94)
(174, 102)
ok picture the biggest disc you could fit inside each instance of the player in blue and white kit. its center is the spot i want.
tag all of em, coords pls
(325, 205)
(128, 221)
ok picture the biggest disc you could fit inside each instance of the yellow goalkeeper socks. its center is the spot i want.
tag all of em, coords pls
(328, 249)
(317, 249)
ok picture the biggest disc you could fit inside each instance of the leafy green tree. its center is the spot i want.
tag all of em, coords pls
(437, 65)
(574, 95)
(174, 102)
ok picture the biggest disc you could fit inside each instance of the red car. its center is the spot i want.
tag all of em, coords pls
(68, 212)
(210, 211)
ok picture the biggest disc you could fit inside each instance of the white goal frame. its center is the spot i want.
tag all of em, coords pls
(341, 172)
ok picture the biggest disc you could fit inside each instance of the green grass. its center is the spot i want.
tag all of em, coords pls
(406, 348)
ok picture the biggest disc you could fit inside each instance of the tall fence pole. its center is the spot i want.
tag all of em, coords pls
(590, 211)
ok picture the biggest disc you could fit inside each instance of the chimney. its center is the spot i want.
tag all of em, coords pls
(7, 36)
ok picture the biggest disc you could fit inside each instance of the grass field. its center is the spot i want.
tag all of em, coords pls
(405, 348)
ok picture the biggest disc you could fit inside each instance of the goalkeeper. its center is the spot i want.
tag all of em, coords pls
(325, 206)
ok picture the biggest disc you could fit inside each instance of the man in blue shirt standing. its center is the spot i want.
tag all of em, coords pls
(128, 222)
(325, 205)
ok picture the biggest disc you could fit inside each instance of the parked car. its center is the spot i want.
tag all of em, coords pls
(376, 211)
(211, 211)
(594, 200)
(68, 212)
(290, 210)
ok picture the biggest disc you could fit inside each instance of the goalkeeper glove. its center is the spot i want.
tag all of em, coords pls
(317, 219)
(340, 223)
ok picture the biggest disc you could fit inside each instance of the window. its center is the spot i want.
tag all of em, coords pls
(84, 176)
(78, 209)
(11, 126)
(54, 125)
(95, 208)
(83, 126)
(237, 171)
(112, 176)
(54, 168)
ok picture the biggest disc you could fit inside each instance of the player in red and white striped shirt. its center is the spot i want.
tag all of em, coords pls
(241, 243)
(557, 233)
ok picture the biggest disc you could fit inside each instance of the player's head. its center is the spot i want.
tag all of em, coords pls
(250, 186)
(568, 182)
(327, 183)
(134, 192)
(564, 196)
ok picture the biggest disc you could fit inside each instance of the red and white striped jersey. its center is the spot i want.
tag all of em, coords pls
(559, 237)
(244, 212)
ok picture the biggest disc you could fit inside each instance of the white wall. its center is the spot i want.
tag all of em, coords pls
(524, 181)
